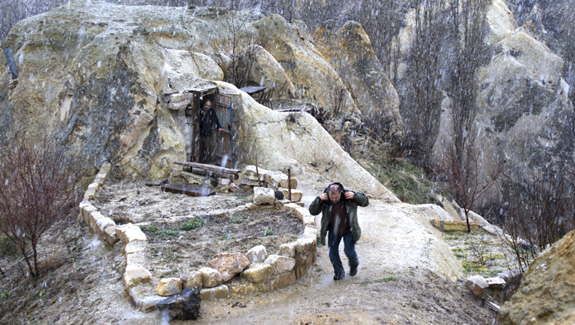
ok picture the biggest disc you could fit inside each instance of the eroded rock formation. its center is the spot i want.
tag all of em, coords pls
(545, 295)
(112, 84)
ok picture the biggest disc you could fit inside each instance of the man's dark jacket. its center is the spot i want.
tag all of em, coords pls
(318, 205)
(208, 120)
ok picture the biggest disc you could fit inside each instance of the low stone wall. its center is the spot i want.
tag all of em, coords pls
(264, 273)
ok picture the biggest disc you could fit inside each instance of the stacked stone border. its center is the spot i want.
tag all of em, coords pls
(264, 273)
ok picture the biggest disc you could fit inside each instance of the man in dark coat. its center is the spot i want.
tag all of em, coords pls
(339, 216)
(208, 120)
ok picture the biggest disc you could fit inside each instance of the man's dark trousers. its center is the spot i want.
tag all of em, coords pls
(333, 241)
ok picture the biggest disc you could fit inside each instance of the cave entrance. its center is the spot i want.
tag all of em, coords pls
(185, 107)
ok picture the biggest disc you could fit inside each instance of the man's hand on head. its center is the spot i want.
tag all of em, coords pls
(349, 195)
(323, 196)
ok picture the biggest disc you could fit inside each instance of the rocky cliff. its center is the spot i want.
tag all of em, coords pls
(110, 82)
(524, 114)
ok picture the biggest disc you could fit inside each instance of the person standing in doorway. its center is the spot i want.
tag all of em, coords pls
(339, 217)
(208, 120)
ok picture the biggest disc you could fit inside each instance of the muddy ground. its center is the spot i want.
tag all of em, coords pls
(83, 281)
(86, 288)
(185, 232)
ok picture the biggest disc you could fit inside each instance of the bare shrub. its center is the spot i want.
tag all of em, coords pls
(36, 190)
(240, 51)
(462, 170)
(538, 213)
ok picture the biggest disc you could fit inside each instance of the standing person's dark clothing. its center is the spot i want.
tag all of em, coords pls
(339, 218)
(208, 120)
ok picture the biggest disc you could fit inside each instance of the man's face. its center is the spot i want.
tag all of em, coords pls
(207, 105)
(334, 194)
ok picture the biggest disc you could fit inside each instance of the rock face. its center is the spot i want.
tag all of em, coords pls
(314, 78)
(349, 51)
(320, 151)
(545, 295)
(524, 111)
(267, 71)
(102, 90)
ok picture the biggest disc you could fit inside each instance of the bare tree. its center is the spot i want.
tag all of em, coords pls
(539, 212)
(424, 79)
(463, 174)
(37, 190)
(240, 51)
(463, 157)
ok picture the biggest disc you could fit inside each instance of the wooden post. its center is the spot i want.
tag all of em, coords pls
(289, 184)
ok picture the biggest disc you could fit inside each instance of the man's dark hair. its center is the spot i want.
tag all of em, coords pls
(339, 187)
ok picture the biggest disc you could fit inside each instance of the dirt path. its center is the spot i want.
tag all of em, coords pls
(397, 282)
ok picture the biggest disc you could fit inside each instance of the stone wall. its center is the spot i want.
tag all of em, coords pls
(259, 272)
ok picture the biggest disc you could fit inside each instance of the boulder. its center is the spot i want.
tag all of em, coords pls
(136, 259)
(301, 212)
(93, 219)
(258, 272)
(135, 246)
(310, 232)
(296, 195)
(287, 182)
(254, 174)
(273, 178)
(86, 208)
(280, 264)
(288, 249)
(283, 280)
(248, 289)
(229, 264)
(477, 284)
(219, 292)
(183, 306)
(91, 192)
(257, 254)
(308, 220)
(135, 275)
(291, 206)
(264, 195)
(110, 235)
(129, 233)
(169, 287)
(193, 279)
(210, 277)
(545, 295)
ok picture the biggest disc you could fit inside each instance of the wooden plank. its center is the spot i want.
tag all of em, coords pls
(252, 89)
(212, 168)
(188, 190)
